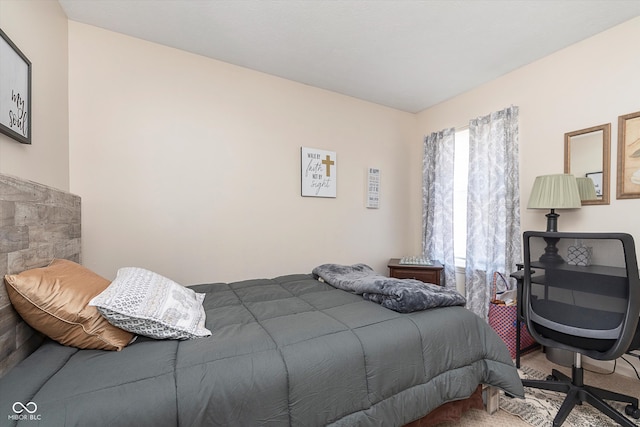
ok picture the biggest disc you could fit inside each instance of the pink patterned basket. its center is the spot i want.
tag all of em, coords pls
(503, 319)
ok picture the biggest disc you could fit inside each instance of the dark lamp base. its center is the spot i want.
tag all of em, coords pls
(550, 255)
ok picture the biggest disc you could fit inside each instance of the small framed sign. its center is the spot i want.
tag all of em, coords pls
(373, 188)
(15, 91)
(319, 172)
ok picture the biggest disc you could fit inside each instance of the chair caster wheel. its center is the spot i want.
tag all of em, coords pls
(632, 411)
(551, 378)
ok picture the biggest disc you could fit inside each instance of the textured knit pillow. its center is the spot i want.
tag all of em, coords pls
(54, 300)
(146, 303)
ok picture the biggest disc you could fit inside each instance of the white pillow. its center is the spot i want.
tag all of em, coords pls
(146, 303)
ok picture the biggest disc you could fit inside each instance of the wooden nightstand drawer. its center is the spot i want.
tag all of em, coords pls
(424, 273)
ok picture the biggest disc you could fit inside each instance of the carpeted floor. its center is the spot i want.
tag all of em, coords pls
(537, 361)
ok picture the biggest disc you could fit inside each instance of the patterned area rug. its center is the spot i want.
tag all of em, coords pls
(541, 406)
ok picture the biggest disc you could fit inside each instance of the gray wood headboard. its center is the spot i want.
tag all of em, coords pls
(37, 223)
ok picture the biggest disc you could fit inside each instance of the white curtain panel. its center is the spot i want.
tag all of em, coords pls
(437, 202)
(493, 205)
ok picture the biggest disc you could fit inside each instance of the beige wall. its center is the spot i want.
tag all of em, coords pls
(587, 84)
(191, 167)
(39, 29)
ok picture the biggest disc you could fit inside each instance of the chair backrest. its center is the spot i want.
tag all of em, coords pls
(581, 291)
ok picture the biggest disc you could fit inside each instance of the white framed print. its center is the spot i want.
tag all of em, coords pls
(319, 172)
(373, 188)
(15, 91)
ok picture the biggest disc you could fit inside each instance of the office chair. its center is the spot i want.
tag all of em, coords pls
(581, 293)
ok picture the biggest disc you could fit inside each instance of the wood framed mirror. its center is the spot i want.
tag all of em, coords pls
(587, 157)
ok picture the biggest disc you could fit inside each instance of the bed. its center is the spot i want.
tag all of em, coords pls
(289, 350)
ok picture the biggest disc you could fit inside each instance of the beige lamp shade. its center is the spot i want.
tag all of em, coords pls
(587, 189)
(555, 192)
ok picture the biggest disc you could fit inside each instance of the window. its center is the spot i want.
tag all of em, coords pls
(460, 179)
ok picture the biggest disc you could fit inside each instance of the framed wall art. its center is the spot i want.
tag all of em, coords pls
(15, 91)
(319, 172)
(628, 185)
(373, 188)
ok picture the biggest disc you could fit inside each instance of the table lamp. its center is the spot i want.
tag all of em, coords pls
(553, 192)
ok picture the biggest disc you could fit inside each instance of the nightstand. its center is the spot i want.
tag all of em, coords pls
(424, 273)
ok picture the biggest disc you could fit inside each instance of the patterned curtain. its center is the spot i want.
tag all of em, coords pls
(493, 205)
(437, 202)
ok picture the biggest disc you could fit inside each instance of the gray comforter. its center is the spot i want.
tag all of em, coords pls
(286, 351)
(402, 295)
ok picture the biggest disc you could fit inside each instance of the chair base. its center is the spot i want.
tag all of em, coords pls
(577, 393)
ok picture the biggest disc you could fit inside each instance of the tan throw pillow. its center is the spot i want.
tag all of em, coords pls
(54, 300)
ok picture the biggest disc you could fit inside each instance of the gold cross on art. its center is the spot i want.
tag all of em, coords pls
(328, 162)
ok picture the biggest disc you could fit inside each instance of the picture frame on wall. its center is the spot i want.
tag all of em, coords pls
(15, 91)
(628, 182)
(318, 172)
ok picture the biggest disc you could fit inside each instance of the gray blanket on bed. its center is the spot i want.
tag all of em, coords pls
(284, 352)
(401, 295)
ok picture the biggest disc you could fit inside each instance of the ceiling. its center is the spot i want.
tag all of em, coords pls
(404, 54)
